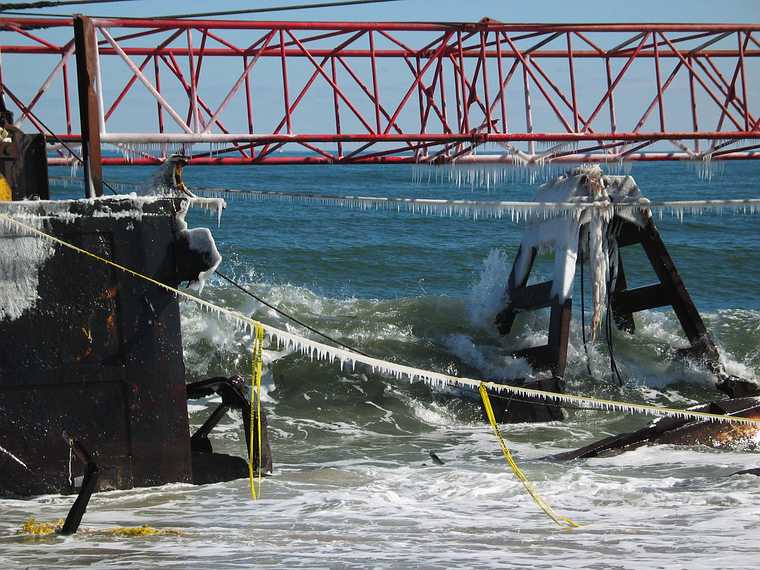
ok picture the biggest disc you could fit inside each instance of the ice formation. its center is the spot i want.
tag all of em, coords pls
(22, 255)
(321, 352)
(516, 211)
(21, 259)
(200, 240)
(118, 206)
(583, 186)
(215, 205)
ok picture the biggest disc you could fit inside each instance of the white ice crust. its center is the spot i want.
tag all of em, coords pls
(560, 235)
(23, 256)
(202, 242)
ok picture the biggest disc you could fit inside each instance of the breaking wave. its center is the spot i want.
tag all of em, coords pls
(447, 334)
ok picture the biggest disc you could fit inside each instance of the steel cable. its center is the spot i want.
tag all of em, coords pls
(187, 16)
(231, 281)
(54, 4)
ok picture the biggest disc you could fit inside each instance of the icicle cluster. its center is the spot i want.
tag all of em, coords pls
(506, 163)
(160, 150)
(317, 351)
(516, 211)
(598, 254)
(618, 167)
(486, 175)
(322, 352)
(706, 168)
(74, 168)
(214, 205)
(680, 209)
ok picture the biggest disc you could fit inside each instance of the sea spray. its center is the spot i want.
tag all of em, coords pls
(486, 297)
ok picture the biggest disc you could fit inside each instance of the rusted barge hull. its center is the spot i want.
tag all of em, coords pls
(93, 352)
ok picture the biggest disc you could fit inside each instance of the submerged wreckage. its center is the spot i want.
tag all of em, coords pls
(598, 236)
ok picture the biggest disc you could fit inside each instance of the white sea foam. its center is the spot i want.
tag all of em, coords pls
(379, 503)
(491, 362)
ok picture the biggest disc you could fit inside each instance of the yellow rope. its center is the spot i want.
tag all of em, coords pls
(543, 505)
(260, 333)
(257, 364)
(260, 330)
(6, 193)
(602, 404)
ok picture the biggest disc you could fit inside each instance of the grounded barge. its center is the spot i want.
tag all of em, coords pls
(92, 371)
(94, 355)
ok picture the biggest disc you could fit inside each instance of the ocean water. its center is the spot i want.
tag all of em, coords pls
(353, 485)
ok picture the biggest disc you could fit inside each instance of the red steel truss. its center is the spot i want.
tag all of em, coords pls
(241, 92)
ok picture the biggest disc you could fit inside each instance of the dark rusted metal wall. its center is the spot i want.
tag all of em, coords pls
(100, 356)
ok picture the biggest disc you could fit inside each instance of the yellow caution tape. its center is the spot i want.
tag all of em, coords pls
(543, 505)
(257, 364)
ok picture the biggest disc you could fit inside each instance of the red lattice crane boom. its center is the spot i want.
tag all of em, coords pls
(348, 92)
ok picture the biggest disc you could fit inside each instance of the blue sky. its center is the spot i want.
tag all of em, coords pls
(458, 10)
(138, 113)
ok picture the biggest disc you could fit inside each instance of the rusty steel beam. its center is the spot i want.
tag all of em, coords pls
(89, 107)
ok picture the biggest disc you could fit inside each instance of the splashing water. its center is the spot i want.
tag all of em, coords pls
(486, 297)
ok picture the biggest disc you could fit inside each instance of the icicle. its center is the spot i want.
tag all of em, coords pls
(74, 168)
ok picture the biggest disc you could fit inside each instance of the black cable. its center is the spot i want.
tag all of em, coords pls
(211, 14)
(583, 311)
(287, 316)
(274, 9)
(53, 4)
(609, 325)
(36, 15)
